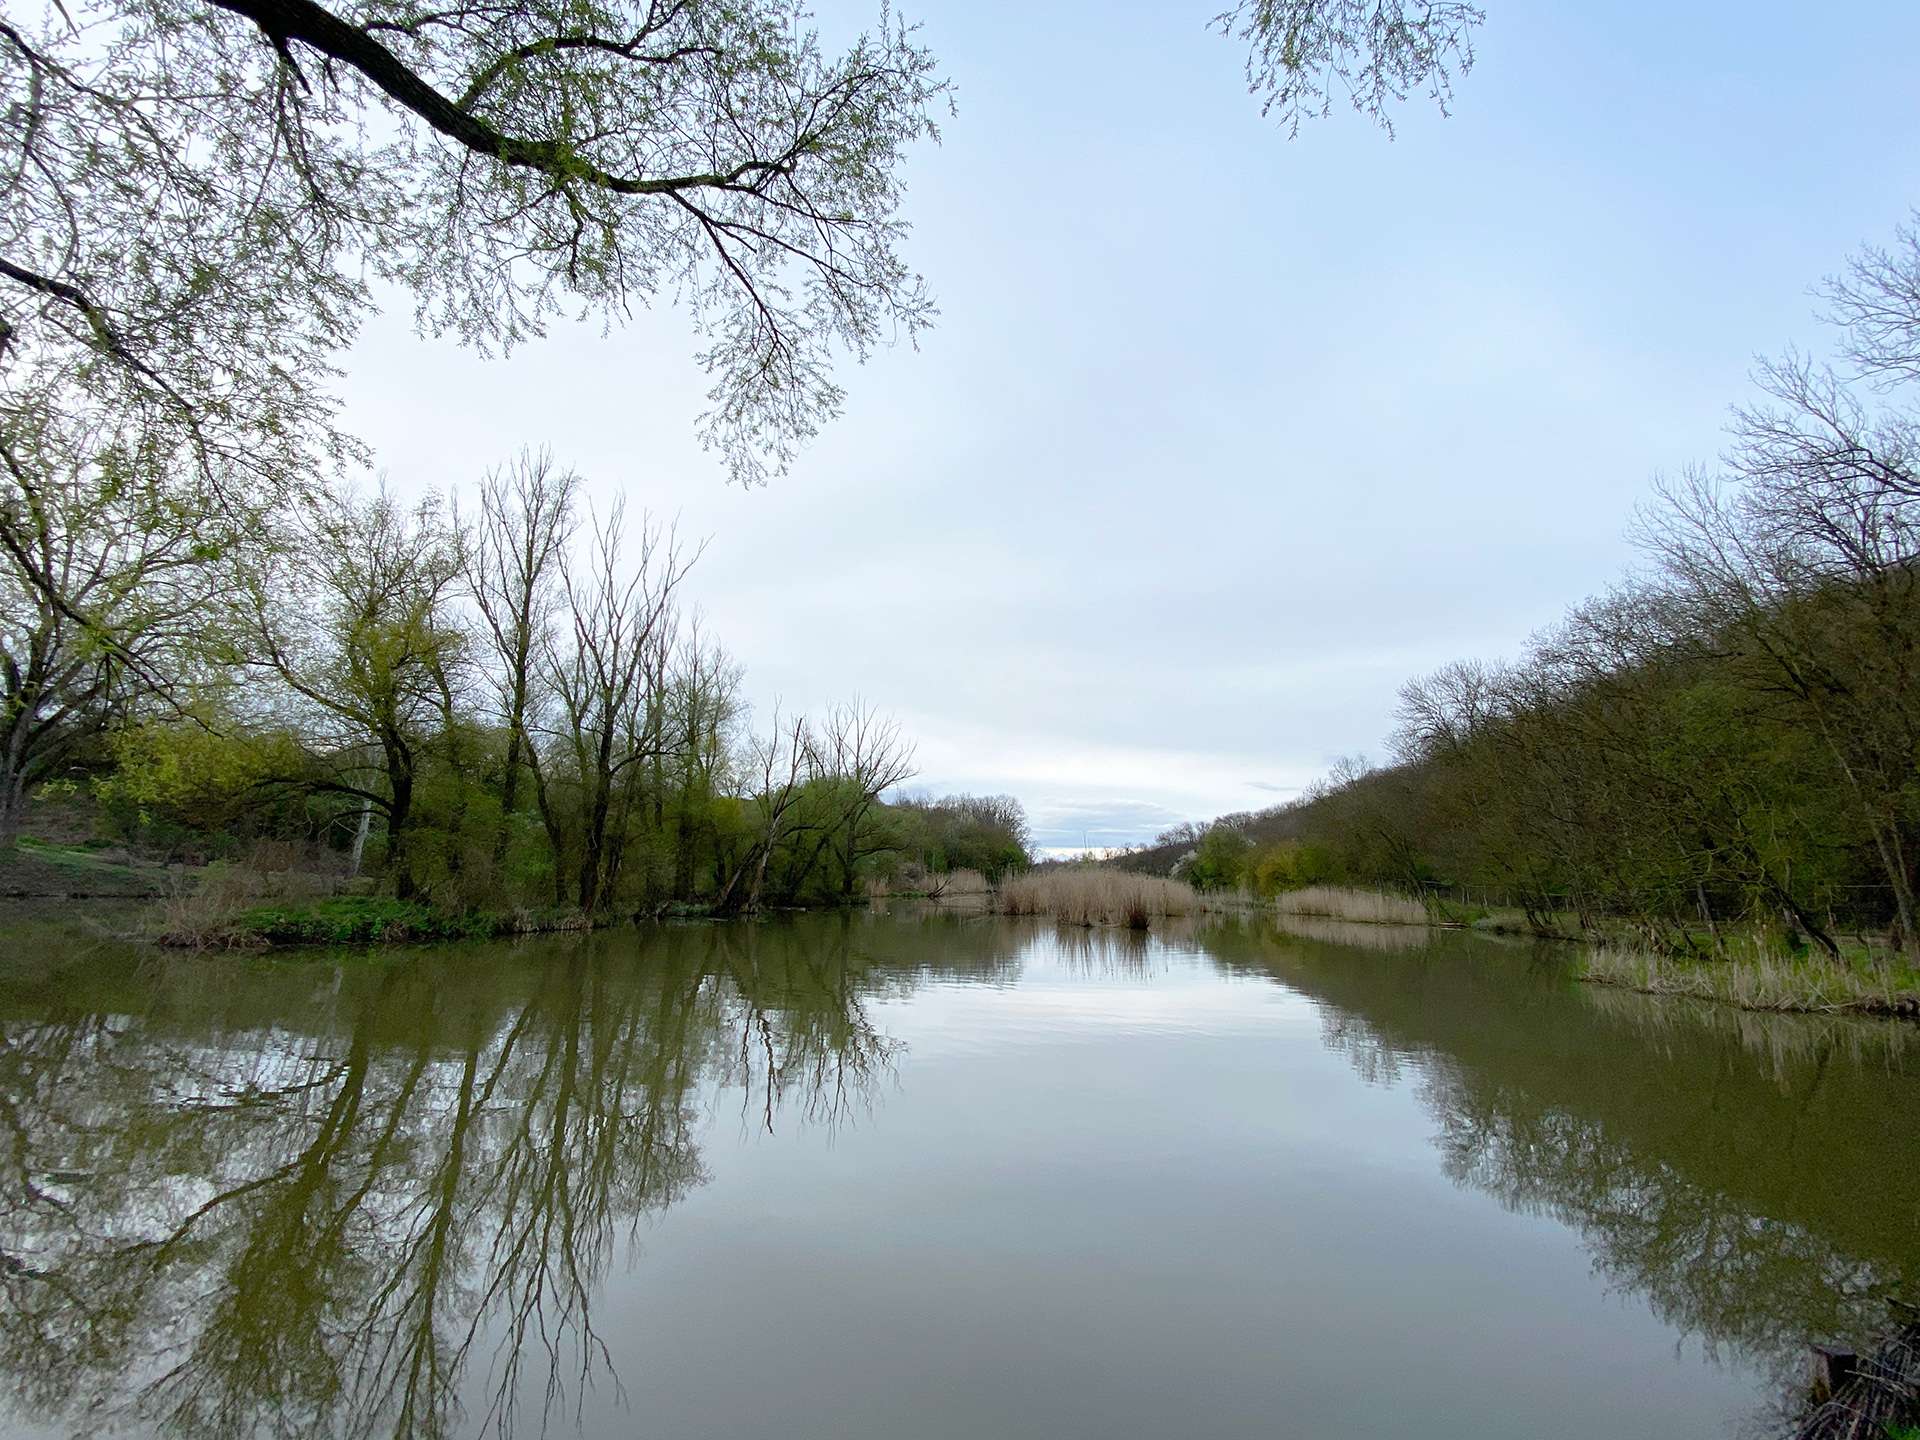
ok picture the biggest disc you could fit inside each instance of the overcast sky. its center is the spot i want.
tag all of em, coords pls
(1221, 436)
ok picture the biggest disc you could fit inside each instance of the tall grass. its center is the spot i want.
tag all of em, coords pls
(1364, 907)
(201, 914)
(1761, 979)
(1098, 897)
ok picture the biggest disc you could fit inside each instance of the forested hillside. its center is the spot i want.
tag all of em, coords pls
(1733, 733)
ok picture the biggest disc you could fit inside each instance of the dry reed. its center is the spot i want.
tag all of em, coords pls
(1098, 897)
(201, 914)
(1762, 980)
(1362, 907)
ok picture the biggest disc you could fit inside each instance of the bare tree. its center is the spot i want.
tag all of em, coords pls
(862, 755)
(780, 759)
(513, 569)
(607, 673)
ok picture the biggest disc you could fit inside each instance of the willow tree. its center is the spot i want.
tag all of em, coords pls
(199, 195)
(1303, 54)
(198, 192)
(108, 582)
(356, 621)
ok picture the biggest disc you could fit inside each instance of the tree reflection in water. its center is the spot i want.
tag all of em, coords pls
(244, 1198)
(249, 1199)
(1755, 1177)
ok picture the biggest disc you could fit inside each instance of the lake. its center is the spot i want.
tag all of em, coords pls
(912, 1175)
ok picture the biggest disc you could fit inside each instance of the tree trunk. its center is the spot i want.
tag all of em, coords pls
(593, 848)
(510, 780)
(360, 835)
(12, 802)
(399, 813)
(551, 822)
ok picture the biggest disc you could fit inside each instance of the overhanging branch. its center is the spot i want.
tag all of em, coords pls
(282, 21)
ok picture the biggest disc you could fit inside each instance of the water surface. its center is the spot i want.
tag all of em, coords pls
(892, 1176)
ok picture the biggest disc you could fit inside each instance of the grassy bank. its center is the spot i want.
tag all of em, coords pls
(44, 870)
(1755, 977)
(353, 920)
(232, 907)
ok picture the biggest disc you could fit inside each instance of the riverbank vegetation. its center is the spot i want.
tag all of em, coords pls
(507, 718)
(1362, 907)
(1715, 766)
(1760, 978)
(1082, 895)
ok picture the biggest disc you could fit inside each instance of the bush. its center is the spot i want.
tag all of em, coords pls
(363, 920)
(1290, 865)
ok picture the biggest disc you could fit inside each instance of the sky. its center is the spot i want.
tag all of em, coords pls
(1222, 436)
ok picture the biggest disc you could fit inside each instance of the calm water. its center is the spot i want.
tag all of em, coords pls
(893, 1177)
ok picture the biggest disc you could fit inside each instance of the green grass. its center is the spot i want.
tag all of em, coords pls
(81, 856)
(365, 919)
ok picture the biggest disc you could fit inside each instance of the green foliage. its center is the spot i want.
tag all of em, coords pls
(577, 743)
(1220, 860)
(987, 833)
(1290, 865)
(199, 768)
(1642, 763)
(365, 920)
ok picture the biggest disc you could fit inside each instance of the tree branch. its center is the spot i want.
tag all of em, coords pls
(285, 20)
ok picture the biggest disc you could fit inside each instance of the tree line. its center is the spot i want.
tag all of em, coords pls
(200, 200)
(512, 705)
(1729, 735)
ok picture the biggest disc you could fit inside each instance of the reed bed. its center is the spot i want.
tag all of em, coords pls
(1761, 980)
(1098, 897)
(1359, 907)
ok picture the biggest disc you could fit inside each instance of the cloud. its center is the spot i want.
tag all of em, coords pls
(1076, 824)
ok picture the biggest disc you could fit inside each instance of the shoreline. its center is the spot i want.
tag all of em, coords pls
(1762, 982)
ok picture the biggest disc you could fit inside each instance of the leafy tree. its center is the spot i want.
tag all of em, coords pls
(1220, 859)
(197, 189)
(354, 618)
(1289, 865)
(109, 567)
(987, 833)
